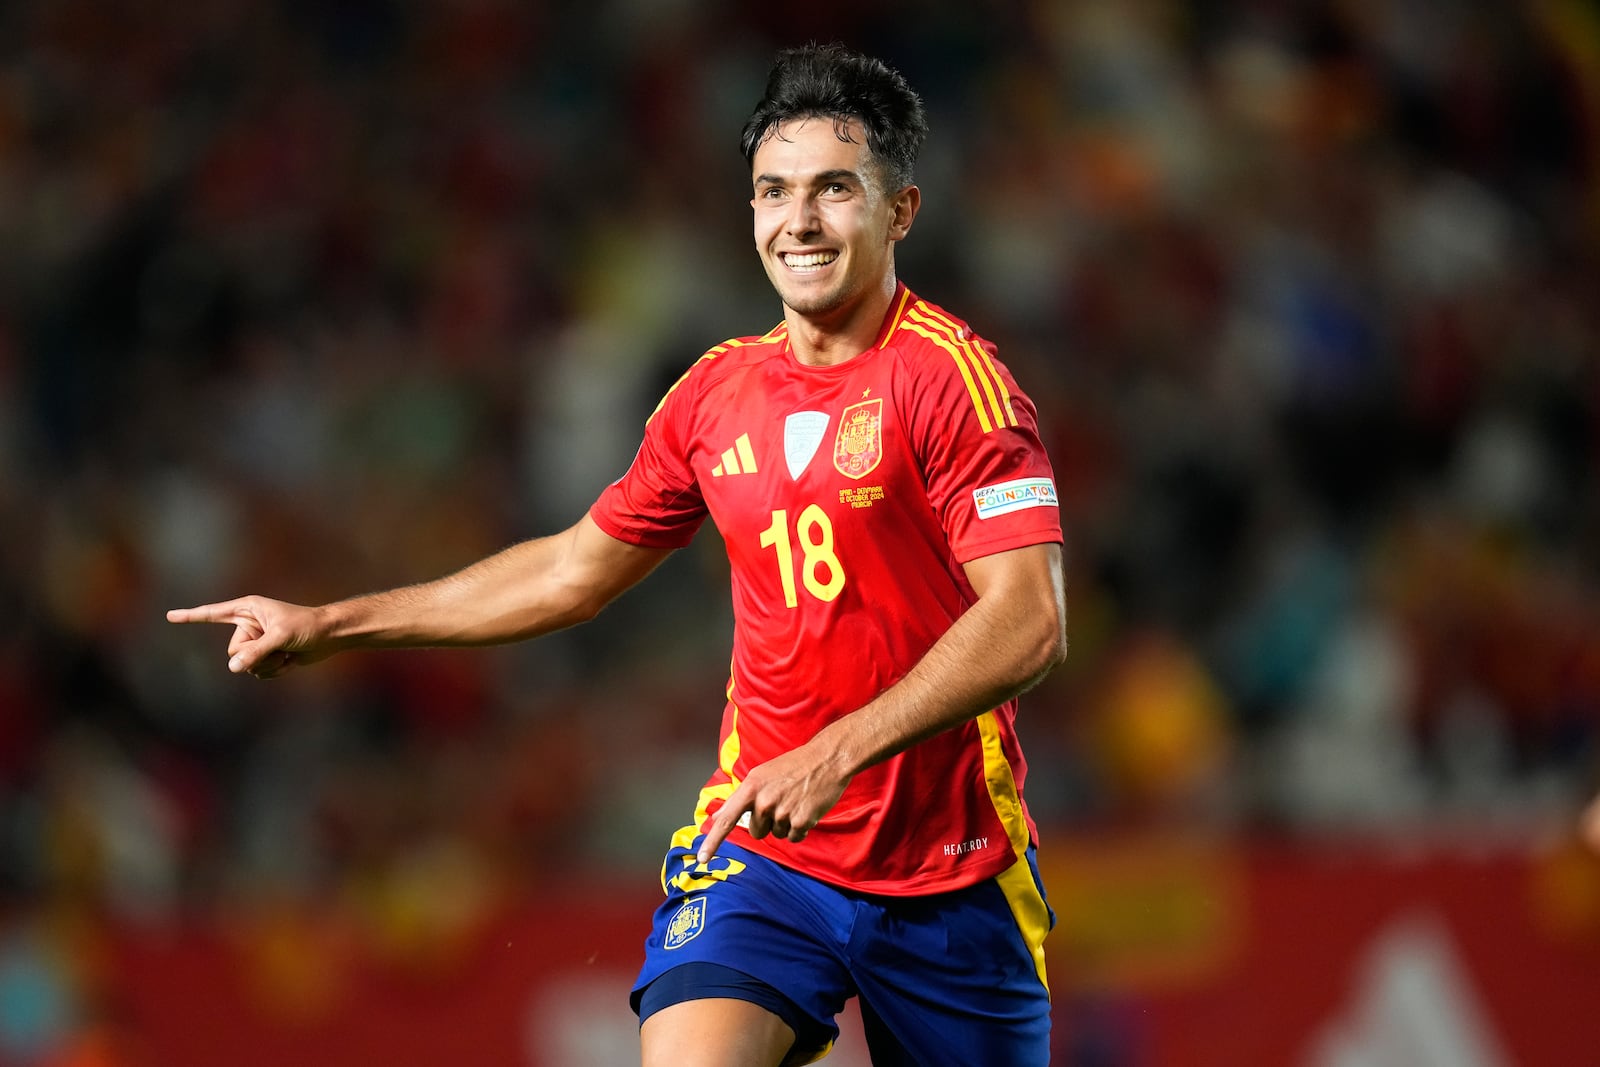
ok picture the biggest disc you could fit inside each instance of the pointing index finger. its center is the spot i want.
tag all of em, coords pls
(729, 816)
(224, 612)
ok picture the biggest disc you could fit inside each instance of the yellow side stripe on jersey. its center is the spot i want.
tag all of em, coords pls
(961, 365)
(684, 836)
(985, 372)
(727, 756)
(1016, 881)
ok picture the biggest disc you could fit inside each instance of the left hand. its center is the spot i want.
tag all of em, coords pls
(1590, 826)
(784, 797)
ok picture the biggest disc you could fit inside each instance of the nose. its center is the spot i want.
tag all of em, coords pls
(802, 219)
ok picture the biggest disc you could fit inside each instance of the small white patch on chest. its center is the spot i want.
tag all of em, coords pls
(802, 435)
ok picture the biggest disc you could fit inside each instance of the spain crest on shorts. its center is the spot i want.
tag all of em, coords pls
(686, 923)
(858, 446)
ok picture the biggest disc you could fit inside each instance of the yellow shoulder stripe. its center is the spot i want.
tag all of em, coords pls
(961, 364)
(712, 353)
(991, 400)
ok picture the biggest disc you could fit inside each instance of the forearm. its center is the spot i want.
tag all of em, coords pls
(1004, 643)
(999, 648)
(517, 593)
(523, 591)
(529, 589)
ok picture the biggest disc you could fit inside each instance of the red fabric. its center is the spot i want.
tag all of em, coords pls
(847, 571)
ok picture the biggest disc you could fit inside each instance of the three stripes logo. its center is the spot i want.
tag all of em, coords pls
(740, 459)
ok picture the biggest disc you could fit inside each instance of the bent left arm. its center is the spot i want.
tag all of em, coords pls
(1002, 645)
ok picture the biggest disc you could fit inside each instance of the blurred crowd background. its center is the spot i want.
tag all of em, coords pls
(312, 298)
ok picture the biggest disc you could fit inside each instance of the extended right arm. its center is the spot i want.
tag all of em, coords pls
(529, 589)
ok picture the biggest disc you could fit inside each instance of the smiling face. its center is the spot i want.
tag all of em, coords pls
(824, 225)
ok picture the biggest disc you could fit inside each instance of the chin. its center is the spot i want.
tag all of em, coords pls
(810, 307)
(807, 303)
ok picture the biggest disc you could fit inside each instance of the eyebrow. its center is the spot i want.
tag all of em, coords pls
(821, 178)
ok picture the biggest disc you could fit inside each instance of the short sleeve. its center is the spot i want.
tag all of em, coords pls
(977, 437)
(657, 502)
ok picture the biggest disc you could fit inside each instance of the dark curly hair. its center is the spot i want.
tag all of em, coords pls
(831, 81)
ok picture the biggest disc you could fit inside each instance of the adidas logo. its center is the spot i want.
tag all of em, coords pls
(737, 460)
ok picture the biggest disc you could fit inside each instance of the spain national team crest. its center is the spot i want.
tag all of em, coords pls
(686, 923)
(859, 444)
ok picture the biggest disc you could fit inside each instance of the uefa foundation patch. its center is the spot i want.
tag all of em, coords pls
(1018, 495)
(686, 924)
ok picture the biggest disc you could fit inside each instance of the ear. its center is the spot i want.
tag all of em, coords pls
(905, 206)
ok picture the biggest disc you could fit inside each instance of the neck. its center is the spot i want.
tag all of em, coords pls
(829, 338)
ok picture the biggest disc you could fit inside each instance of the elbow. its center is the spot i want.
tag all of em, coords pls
(1046, 649)
(1052, 645)
(1052, 650)
(589, 610)
(1052, 615)
(580, 608)
(1056, 655)
(562, 607)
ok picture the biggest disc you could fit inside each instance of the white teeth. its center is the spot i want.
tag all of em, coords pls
(810, 260)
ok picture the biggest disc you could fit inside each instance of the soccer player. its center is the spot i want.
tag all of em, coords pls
(891, 524)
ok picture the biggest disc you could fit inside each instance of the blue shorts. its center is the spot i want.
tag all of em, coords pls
(951, 978)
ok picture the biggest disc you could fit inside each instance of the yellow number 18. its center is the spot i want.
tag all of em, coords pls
(816, 546)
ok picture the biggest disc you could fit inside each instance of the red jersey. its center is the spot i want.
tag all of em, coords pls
(849, 497)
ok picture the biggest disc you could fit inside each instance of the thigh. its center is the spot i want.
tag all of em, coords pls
(744, 912)
(716, 1032)
(955, 979)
